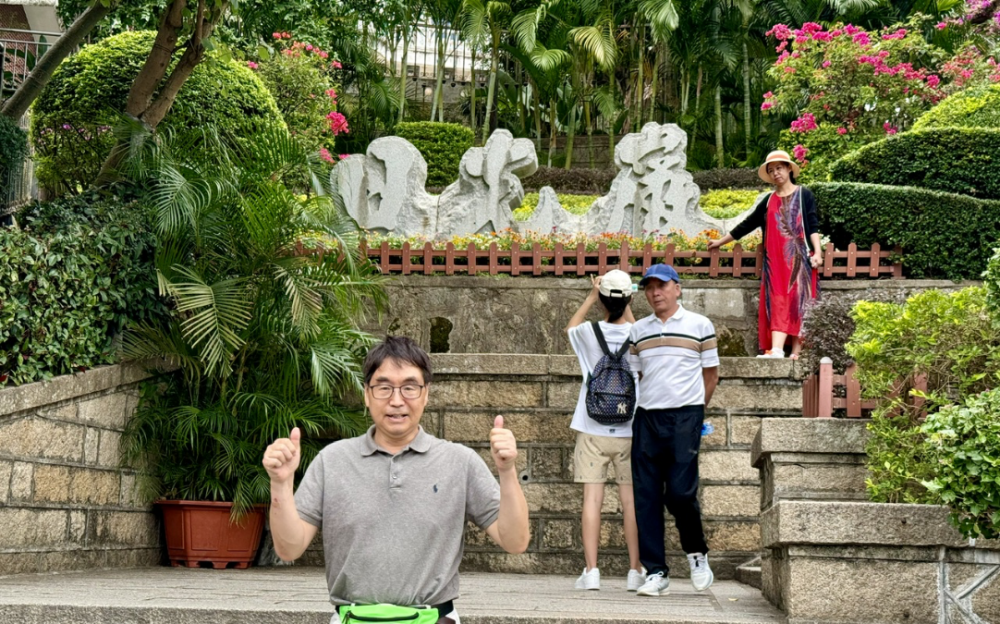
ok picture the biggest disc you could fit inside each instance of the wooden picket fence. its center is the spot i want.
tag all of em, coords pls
(821, 394)
(535, 261)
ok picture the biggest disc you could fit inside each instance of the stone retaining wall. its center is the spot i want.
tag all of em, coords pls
(537, 394)
(829, 558)
(64, 503)
(483, 314)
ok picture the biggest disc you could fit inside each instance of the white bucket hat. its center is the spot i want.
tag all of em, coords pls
(616, 283)
(773, 157)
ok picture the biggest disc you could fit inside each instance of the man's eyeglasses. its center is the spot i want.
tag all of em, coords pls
(385, 391)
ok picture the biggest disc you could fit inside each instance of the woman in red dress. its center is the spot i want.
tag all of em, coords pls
(789, 221)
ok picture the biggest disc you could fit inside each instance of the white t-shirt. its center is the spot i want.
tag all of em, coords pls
(588, 352)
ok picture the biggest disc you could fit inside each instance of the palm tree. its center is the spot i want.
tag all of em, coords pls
(483, 26)
(264, 333)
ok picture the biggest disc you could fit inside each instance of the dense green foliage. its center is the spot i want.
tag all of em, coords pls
(727, 203)
(72, 277)
(977, 107)
(13, 147)
(265, 336)
(963, 447)
(73, 120)
(942, 234)
(971, 165)
(991, 280)
(950, 338)
(442, 146)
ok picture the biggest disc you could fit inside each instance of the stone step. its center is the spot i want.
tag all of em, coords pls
(749, 573)
(298, 595)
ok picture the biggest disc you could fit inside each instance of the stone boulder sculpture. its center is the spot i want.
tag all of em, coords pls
(383, 190)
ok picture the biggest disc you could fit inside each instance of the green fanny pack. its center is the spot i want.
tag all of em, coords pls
(388, 614)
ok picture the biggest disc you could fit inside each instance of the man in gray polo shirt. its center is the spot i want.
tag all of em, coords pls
(392, 504)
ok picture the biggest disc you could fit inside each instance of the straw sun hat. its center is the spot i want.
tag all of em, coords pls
(773, 157)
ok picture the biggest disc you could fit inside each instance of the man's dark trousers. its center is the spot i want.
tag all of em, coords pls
(665, 444)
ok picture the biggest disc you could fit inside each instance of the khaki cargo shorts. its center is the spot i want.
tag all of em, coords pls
(593, 454)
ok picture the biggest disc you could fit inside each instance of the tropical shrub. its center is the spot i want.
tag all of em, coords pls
(13, 147)
(716, 179)
(442, 146)
(74, 275)
(974, 108)
(991, 281)
(963, 448)
(949, 338)
(590, 181)
(942, 234)
(265, 335)
(848, 87)
(302, 79)
(972, 166)
(73, 118)
(828, 326)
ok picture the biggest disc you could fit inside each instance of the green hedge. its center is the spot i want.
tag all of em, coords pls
(943, 235)
(13, 148)
(72, 278)
(978, 107)
(971, 166)
(73, 117)
(442, 146)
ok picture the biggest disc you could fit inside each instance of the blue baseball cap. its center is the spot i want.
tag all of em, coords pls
(663, 272)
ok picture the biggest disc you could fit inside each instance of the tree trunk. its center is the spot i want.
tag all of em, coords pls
(697, 91)
(720, 155)
(655, 80)
(570, 134)
(402, 73)
(438, 71)
(17, 105)
(747, 112)
(472, 108)
(640, 87)
(491, 91)
(146, 83)
(536, 98)
(155, 67)
(553, 113)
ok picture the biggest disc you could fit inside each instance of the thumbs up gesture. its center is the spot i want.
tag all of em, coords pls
(281, 459)
(503, 447)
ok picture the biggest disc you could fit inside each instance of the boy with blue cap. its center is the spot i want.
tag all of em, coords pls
(676, 355)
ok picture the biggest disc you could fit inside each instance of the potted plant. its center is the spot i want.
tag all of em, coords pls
(264, 337)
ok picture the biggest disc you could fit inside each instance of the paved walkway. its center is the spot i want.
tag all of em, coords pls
(297, 595)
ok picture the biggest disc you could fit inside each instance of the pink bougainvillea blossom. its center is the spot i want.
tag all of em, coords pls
(799, 152)
(252, 65)
(780, 31)
(325, 155)
(862, 39)
(338, 123)
(841, 130)
(331, 93)
(805, 123)
(826, 64)
(889, 129)
(766, 105)
(899, 34)
(336, 65)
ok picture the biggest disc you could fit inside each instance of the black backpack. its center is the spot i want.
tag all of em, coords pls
(611, 387)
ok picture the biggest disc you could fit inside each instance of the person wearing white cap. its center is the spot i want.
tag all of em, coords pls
(789, 223)
(603, 418)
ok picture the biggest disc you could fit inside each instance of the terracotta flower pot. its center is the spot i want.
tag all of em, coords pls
(200, 532)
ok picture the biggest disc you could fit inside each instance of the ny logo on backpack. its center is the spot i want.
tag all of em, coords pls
(611, 387)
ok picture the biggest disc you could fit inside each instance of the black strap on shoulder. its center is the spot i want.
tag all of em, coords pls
(600, 337)
(604, 343)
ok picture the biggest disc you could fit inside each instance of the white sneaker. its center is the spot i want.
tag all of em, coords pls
(589, 580)
(656, 585)
(775, 354)
(701, 573)
(635, 579)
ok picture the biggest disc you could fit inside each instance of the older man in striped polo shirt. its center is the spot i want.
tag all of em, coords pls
(675, 352)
